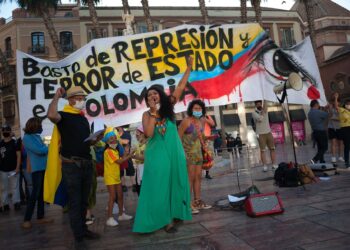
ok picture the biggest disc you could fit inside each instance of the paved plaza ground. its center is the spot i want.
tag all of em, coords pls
(315, 218)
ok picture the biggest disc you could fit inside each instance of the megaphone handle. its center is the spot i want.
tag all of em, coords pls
(284, 94)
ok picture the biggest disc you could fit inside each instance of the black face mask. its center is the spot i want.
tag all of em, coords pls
(259, 108)
(6, 134)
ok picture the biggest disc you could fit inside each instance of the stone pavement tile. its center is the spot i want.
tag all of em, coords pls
(333, 205)
(277, 235)
(222, 241)
(342, 243)
(123, 238)
(338, 220)
(237, 219)
(296, 212)
(338, 193)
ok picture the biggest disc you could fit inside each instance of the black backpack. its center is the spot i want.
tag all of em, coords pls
(285, 176)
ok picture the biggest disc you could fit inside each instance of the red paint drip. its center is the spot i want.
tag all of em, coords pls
(313, 93)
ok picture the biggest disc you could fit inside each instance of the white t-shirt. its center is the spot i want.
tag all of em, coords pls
(261, 120)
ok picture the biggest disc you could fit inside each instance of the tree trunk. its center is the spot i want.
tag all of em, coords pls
(147, 14)
(257, 10)
(45, 14)
(204, 11)
(309, 7)
(94, 18)
(244, 18)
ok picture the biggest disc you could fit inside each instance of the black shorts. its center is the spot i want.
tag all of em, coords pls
(129, 171)
(334, 134)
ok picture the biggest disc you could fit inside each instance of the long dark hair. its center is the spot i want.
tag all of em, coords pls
(166, 109)
(191, 105)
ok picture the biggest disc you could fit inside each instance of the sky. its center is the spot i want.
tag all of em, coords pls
(6, 9)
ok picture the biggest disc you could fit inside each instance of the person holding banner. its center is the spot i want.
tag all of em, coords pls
(193, 137)
(165, 193)
(69, 144)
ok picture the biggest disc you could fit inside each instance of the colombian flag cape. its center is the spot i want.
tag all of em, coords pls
(54, 191)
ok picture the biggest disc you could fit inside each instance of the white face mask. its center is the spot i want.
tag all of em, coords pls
(347, 106)
(113, 145)
(79, 105)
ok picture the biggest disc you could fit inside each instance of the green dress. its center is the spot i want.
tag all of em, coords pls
(165, 191)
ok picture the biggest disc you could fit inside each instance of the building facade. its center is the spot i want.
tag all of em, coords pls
(73, 24)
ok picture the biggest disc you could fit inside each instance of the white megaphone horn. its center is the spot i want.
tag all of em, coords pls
(294, 82)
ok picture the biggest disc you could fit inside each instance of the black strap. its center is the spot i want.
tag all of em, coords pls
(284, 94)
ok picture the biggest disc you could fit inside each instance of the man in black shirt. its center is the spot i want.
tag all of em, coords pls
(10, 160)
(76, 159)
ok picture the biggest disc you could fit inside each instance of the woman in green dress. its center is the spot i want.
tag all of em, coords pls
(165, 192)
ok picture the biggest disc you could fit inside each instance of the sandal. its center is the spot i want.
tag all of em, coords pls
(201, 205)
(194, 208)
(170, 229)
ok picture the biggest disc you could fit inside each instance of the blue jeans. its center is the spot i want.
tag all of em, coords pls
(36, 195)
(77, 181)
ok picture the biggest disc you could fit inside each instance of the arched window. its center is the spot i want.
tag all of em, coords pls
(38, 42)
(66, 40)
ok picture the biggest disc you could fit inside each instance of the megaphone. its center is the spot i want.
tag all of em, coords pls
(294, 82)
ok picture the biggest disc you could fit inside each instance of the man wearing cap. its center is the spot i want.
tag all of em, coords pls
(73, 128)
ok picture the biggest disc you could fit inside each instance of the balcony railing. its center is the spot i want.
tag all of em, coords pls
(69, 49)
(38, 50)
(9, 53)
(287, 44)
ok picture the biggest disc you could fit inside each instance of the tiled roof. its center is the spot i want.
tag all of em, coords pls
(322, 8)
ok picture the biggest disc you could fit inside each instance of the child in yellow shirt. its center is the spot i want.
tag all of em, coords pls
(112, 161)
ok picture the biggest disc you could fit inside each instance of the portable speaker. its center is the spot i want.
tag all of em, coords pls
(263, 204)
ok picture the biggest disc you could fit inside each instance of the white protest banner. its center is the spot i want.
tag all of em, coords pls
(232, 63)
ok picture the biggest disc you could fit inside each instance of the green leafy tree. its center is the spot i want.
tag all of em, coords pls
(43, 8)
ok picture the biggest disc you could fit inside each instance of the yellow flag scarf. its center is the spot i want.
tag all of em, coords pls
(54, 191)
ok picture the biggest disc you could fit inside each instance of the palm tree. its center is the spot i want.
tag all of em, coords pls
(309, 8)
(257, 10)
(147, 14)
(95, 23)
(244, 18)
(204, 11)
(42, 8)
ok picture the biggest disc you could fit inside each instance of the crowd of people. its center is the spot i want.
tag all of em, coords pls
(331, 122)
(165, 166)
(164, 156)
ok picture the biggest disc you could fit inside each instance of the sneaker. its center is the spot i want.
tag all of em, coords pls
(124, 216)
(341, 159)
(274, 166)
(201, 205)
(208, 177)
(334, 160)
(26, 225)
(115, 209)
(89, 221)
(265, 168)
(44, 221)
(124, 188)
(111, 222)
